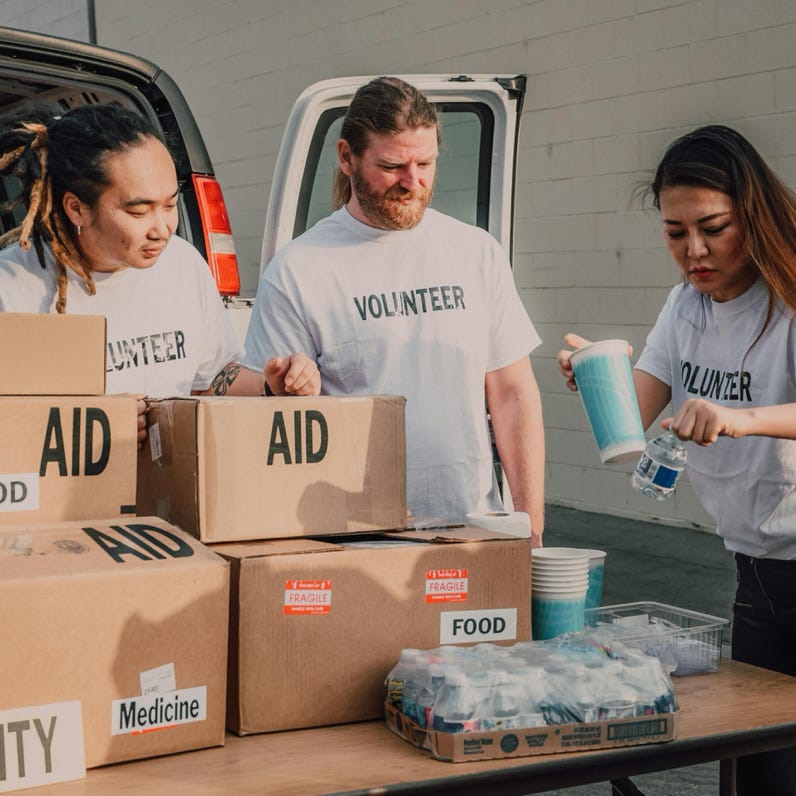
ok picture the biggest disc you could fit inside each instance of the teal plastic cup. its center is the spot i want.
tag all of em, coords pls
(605, 382)
(552, 615)
(594, 594)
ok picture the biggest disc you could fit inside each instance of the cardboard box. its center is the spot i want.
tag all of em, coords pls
(230, 469)
(127, 617)
(51, 354)
(316, 625)
(67, 458)
(468, 746)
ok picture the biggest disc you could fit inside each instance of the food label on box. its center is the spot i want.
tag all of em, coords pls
(41, 745)
(156, 711)
(19, 492)
(308, 597)
(457, 627)
(446, 585)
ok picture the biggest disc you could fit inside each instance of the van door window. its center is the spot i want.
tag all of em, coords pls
(463, 173)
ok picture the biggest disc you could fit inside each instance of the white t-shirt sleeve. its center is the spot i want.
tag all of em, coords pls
(656, 359)
(512, 334)
(277, 326)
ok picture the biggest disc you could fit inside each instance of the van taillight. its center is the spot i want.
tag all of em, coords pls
(220, 246)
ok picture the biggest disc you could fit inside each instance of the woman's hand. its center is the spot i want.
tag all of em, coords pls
(576, 341)
(704, 422)
(296, 374)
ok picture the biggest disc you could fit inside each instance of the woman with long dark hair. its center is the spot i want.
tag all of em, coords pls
(723, 351)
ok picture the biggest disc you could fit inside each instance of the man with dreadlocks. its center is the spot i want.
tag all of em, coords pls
(101, 190)
(391, 296)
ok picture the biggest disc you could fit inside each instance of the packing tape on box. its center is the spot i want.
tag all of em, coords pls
(514, 523)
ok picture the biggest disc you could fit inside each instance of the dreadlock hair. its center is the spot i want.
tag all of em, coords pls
(720, 158)
(51, 155)
(384, 105)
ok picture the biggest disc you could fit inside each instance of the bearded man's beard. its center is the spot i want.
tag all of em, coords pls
(386, 210)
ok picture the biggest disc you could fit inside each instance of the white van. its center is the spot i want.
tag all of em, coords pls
(475, 174)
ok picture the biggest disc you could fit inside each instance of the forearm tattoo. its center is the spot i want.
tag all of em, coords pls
(223, 381)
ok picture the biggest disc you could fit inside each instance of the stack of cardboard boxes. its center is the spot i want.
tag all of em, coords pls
(115, 629)
(306, 498)
(280, 520)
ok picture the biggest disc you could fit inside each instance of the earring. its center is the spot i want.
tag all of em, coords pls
(79, 230)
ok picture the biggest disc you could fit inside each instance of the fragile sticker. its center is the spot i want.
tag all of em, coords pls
(446, 585)
(308, 597)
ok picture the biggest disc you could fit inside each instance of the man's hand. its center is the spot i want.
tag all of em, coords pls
(141, 409)
(296, 374)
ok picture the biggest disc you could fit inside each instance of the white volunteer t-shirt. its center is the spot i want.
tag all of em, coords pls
(168, 332)
(703, 349)
(424, 313)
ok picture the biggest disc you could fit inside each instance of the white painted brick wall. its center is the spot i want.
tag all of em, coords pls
(65, 18)
(610, 84)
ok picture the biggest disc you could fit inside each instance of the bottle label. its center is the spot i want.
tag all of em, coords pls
(664, 476)
(657, 473)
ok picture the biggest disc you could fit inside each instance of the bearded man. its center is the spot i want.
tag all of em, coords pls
(392, 297)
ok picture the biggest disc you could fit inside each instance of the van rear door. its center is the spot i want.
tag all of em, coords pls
(475, 171)
(64, 74)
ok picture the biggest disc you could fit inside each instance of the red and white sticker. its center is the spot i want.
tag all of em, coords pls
(446, 585)
(308, 597)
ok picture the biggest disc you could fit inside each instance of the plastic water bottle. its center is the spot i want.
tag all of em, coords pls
(454, 709)
(502, 710)
(435, 679)
(400, 681)
(659, 467)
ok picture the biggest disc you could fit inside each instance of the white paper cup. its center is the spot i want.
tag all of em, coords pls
(605, 383)
(559, 554)
(546, 580)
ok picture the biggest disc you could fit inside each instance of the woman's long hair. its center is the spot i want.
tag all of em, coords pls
(720, 158)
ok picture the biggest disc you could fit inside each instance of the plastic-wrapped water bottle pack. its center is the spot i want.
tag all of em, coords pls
(569, 679)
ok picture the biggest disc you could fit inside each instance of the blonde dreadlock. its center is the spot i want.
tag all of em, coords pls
(39, 215)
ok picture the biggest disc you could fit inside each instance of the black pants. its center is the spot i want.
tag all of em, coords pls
(764, 634)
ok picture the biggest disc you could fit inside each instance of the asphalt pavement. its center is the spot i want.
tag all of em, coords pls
(647, 561)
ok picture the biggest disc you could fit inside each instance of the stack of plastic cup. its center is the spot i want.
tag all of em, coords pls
(559, 582)
(594, 595)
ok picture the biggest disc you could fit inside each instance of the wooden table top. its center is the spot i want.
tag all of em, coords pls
(716, 710)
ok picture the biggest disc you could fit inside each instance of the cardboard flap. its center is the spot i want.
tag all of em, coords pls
(274, 547)
(455, 534)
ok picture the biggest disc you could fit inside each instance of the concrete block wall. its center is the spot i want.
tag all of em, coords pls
(66, 18)
(610, 83)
